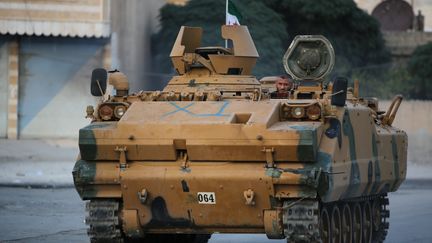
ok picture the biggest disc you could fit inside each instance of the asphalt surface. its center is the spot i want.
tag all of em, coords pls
(57, 215)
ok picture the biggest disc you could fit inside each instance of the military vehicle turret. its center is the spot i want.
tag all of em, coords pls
(212, 152)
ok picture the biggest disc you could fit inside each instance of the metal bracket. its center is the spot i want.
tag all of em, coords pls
(90, 112)
(273, 224)
(269, 157)
(185, 161)
(256, 95)
(143, 196)
(122, 156)
(392, 110)
(249, 195)
(131, 225)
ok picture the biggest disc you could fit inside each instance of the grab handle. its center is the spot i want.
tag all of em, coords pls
(392, 110)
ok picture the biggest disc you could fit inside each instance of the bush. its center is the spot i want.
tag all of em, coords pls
(354, 34)
(419, 85)
(266, 27)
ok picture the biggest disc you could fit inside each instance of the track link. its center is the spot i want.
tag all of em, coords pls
(379, 210)
(103, 221)
(381, 224)
(104, 224)
(301, 221)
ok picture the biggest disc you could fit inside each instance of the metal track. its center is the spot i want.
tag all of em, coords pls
(105, 226)
(301, 221)
(380, 231)
(103, 221)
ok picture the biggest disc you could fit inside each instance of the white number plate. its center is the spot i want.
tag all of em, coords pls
(206, 198)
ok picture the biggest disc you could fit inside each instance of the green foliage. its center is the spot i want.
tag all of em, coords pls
(266, 27)
(411, 80)
(354, 34)
(384, 82)
(419, 67)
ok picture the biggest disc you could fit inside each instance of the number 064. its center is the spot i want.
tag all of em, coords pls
(206, 198)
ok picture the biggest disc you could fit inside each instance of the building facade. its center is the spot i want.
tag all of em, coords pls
(47, 51)
(424, 6)
(403, 43)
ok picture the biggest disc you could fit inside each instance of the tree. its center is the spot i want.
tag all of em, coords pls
(419, 68)
(267, 28)
(355, 35)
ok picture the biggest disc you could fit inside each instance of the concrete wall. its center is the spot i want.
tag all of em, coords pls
(4, 87)
(54, 81)
(133, 23)
(415, 117)
(52, 74)
(403, 44)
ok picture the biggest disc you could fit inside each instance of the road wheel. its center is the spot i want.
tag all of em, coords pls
(380, 214)
(336, 225)
(325, 225)
(376, 214)
(367, 222)
(357, 215)
(347, 227)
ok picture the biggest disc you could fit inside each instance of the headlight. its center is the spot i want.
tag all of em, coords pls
(313, 112)
(105, 112)
(298, 112)
(119, 111)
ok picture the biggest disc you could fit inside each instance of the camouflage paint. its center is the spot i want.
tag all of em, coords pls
(308, 176)
(395, 161)
(369, 179)
(354, 182)
(273, 172)
(172, 202)
(308, 192)
(274, 202)
(326, 183)
(186, 170)
(377, 170)
(87, 141)
(161, 217)
(307, 147)
(334, 130)
(84, 175)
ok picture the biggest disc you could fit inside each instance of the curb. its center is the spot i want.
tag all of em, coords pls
(37, 186)
(413, 183)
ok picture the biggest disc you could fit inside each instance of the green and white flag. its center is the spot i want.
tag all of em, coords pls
(233, 16)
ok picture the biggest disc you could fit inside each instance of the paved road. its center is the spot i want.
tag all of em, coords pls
(55, 215)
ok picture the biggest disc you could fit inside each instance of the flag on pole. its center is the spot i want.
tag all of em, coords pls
(233, 16)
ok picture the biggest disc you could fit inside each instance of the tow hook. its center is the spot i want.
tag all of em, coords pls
(249, 196)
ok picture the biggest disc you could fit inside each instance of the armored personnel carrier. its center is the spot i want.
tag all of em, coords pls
(213, 153)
